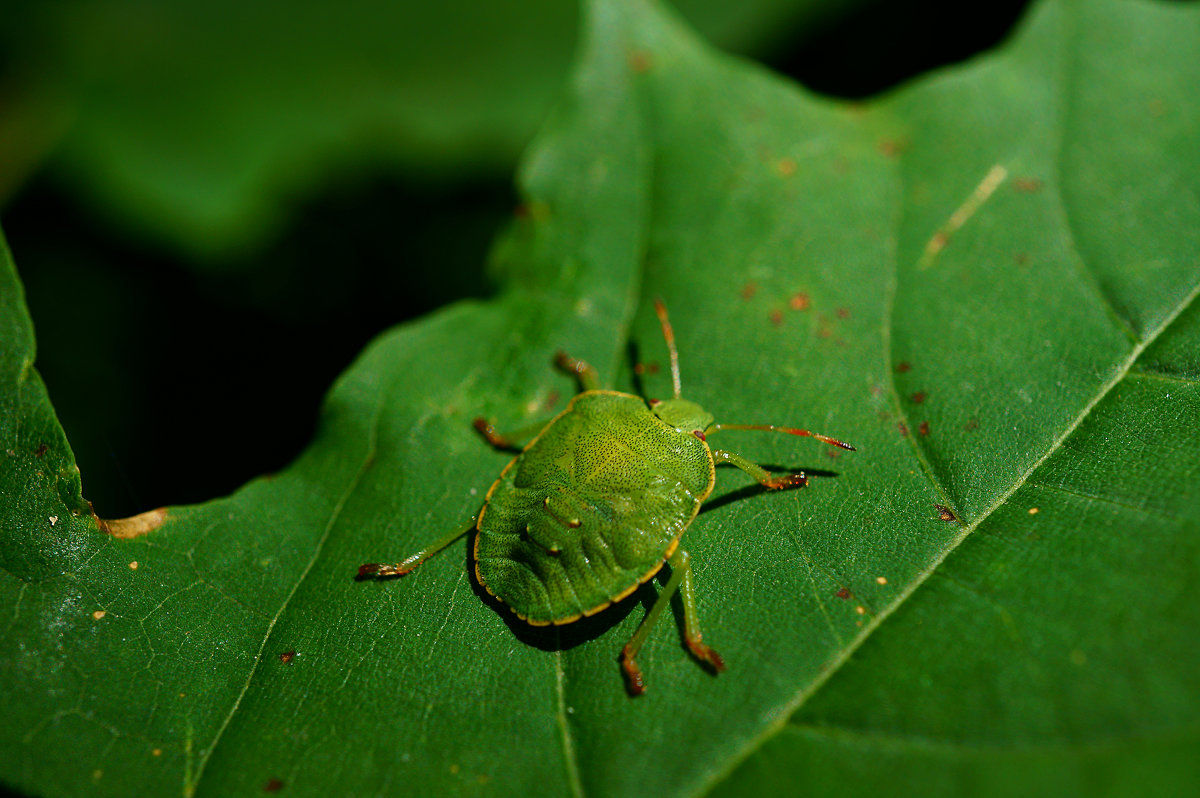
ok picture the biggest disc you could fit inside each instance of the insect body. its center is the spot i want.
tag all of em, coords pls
(596, 504)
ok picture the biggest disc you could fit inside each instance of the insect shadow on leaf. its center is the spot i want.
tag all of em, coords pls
(593, 508)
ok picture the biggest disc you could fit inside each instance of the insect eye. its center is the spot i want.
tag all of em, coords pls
(699, 433)
(654, 402)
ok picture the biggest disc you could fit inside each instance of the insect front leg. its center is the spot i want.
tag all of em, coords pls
(760, 474)
(589, 378)
(511, 441)
(681, 580)
(375, 570)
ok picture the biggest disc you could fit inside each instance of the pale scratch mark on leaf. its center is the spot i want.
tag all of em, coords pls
(991, 181)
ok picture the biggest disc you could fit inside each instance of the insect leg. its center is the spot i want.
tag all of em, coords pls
(762, 475)
(374, 570)
(691, 621)
(589, 378)
(681, 575)
(511, 441)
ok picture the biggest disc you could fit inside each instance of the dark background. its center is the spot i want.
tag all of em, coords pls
(177, 379)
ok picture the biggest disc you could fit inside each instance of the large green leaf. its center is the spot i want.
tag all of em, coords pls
(987, 282)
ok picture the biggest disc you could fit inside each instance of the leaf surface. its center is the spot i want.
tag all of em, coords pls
(986, 281)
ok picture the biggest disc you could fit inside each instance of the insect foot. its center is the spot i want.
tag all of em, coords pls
(369, 570)
(634, 684)
(787, 481)
(707, 655)
(375, 570)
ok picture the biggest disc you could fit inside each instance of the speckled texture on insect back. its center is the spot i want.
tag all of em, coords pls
(590, 509)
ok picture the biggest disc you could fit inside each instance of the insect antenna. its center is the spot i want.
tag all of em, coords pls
(669, 334)
(789, 430)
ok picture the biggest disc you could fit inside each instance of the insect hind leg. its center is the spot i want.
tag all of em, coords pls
(681, 582)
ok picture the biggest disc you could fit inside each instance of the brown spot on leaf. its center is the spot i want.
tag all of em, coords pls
(273, 785)
(945, 513)
(98, 614)
(918, 397)
(639, 61)
(882, 580)
(891, 148)
(799, 301)
(776, 317)
(924, 428)
(135, 525)
(786, 166)
(1027, 185)
(42, 449)
(287, 656)
(903, 367)
(844, 593)
(843, 313)
(645, 368)
(133, 566)
(749, 290)
(1033, 511)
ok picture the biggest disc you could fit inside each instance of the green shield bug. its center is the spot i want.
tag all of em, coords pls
(595, 505)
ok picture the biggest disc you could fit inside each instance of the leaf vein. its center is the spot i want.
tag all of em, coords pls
(570, 757)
